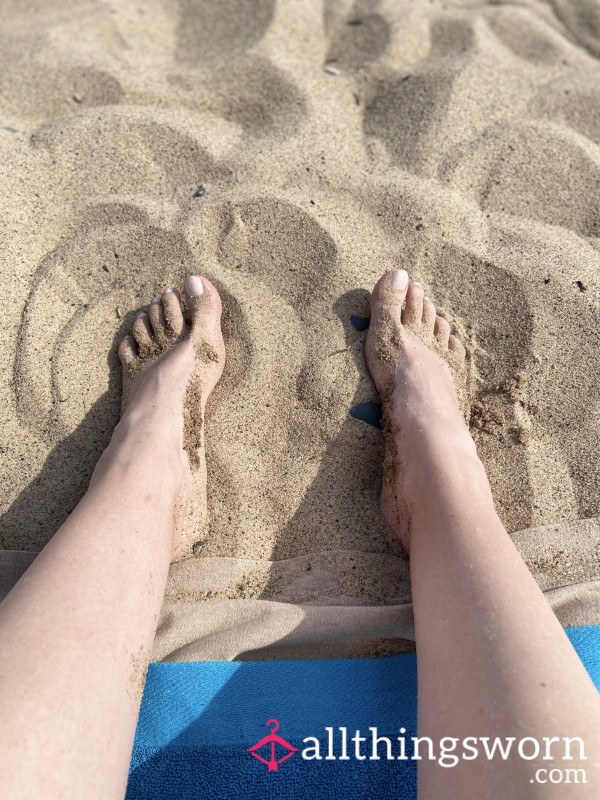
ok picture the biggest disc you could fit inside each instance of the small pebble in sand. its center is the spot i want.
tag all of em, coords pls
(197, 546)
(581, 286)
(331, 70)
(105, 268)
(119, 312)
(200, 192)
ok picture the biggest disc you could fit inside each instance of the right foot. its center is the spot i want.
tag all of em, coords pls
(418, 366)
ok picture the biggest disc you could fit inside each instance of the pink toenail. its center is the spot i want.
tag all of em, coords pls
(399, 279)
(193, 286)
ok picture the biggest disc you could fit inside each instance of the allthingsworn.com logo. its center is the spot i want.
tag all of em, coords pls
(268, 744)
(336, 745)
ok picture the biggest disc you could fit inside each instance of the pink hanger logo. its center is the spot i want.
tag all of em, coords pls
(270, 741)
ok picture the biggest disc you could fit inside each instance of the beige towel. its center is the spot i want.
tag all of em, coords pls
(237, 609)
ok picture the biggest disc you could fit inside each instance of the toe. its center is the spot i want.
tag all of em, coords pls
(385, 330)
(204, 302)
(128, 351)
(441, 331)
(158, 322)
(142, 333)
(413, 310)
(457, 348)
(205, 308)
(388, 297)
(172, 311)
(429, 315)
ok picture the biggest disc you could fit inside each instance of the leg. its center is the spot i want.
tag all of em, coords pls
(492, 658)
(76, 631)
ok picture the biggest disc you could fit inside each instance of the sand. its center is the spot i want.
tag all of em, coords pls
(292, 152)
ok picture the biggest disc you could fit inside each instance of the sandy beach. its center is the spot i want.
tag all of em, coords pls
(292, 152)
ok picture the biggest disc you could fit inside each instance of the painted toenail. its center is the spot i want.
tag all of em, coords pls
(193, 286)
(400, 279)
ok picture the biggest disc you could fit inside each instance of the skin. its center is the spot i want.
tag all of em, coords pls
(72, 663)
(493, 659)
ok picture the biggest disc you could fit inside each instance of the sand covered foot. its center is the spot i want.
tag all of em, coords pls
(169, 370)
(418, 366)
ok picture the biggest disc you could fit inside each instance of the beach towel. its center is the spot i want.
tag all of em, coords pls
(200, 723)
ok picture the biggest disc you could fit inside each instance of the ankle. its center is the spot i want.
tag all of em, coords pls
(155, 420)
(442, 457)
(143, 445)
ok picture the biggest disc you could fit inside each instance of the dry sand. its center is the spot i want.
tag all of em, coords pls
(333, 140)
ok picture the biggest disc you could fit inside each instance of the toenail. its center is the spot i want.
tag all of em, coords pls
(193, 286)
(141, 314)
(399, 279)
(156, 300)
(170, 289)
(416, 283)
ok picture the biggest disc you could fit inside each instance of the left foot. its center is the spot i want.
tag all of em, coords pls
(169, 370)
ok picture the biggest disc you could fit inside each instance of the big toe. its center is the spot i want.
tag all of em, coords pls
(388, 297)
(387, 300)
(205, 308)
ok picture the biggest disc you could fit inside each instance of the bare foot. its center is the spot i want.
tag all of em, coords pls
(418, 366)
(169, 371)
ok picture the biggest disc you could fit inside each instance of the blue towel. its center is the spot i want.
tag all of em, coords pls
(199, 721)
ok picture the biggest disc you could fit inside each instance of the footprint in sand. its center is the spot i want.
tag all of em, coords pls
(582, 20)
(259, 97)
(280, 244)
(132, 155)
(571, 102)
(210, 33)
(501, 171)
(528, 36)
(42, 93)
(357, 37)
(249, 92)
(407, 111)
